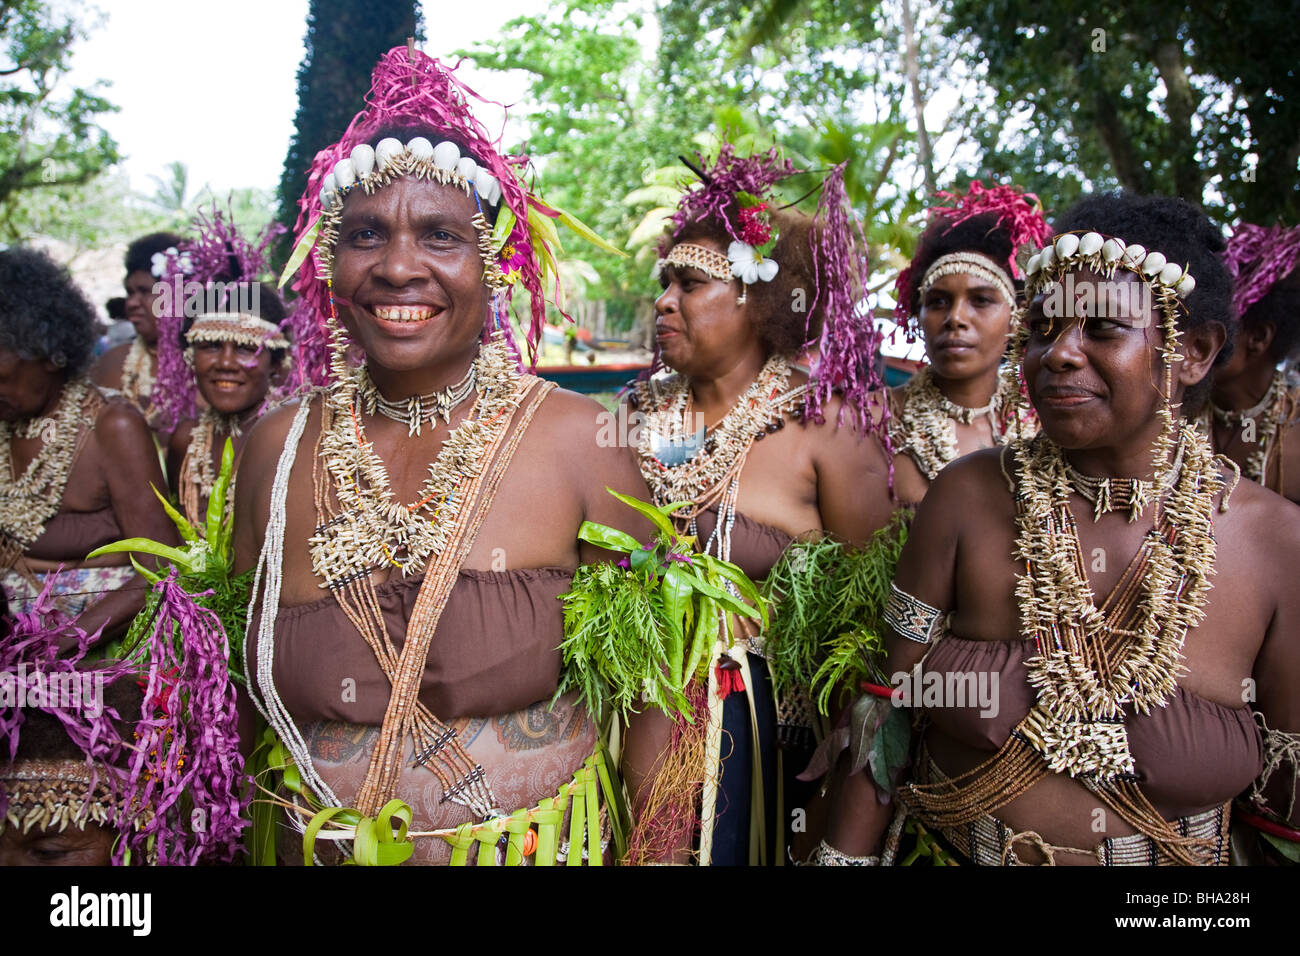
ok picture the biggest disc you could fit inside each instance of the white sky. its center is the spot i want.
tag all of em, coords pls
(214, 84)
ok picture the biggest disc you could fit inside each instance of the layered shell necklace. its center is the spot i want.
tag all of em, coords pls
(1088, 667)
(28, 501)
(707, 473)
(198, 474)
(374, 530)
(1268, 418)
(138, 375)
(925, 428)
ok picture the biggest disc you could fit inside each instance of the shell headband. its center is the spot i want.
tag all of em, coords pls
(687, 255)
(242, 328)
(1104, 255)
(968, 263)
(371, 168)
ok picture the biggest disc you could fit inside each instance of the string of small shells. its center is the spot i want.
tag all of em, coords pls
(1268, 416)
(30, 500)
(667, 410)
(375, 530)
(198, 472)
(138, 375)
(925, 428)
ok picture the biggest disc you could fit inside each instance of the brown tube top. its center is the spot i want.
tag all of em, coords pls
(71, 535)
(1190, 755)
(755, 547)
(496, 649)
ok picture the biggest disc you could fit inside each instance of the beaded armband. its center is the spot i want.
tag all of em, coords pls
(827, 855)
(909, 617)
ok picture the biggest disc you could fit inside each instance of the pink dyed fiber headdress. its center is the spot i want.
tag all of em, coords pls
(1257, 257)
(218, 251)
(849, 341)
(410, 89)
(1016, 211)
(182, 758)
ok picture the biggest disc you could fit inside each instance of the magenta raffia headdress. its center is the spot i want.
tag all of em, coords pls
(217, 252)
(738, 192)
(1017, 212)
(1257, 257)
(412, 90)
(172, 787)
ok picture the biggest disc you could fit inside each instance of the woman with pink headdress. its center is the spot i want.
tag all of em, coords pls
(1253, 415)
(960, 292)
(763, 452)
(414, 520)
(221, 339)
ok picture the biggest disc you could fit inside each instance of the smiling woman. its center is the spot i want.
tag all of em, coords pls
(415, 521)
(1127, 683)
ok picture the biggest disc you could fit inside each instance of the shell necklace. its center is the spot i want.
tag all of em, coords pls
(28, 501)
(138, 375)
(925, 429)
(1266, 420)
(373, 529)
(709, 474)
(198, 473)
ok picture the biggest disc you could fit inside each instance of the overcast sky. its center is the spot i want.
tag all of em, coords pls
(213, 84)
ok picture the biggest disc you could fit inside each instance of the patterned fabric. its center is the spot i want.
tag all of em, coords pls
(75, 589)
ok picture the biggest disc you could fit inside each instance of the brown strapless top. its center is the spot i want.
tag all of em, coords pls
(496, 649)
(755, 547)
(71, 535)
(1190, 755)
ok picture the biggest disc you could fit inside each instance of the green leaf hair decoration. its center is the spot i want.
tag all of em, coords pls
(643, 629)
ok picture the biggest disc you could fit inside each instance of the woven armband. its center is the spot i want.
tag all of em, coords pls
(909, 617)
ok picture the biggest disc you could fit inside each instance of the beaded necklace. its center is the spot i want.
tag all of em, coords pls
(374, 530)
(1082, 673)
(30, 500)
(925, 428)
(712, 474)
(1135, 493)
(138, 375)
(1269, 416)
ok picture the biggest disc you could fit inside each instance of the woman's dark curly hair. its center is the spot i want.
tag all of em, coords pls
(980, 233)
(1184, 235)
(1280, 308)
(139, 254)
(782, 305)
(43, 315)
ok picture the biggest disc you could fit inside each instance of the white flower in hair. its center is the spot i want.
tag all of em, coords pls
(158, 262)
(748, 264)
